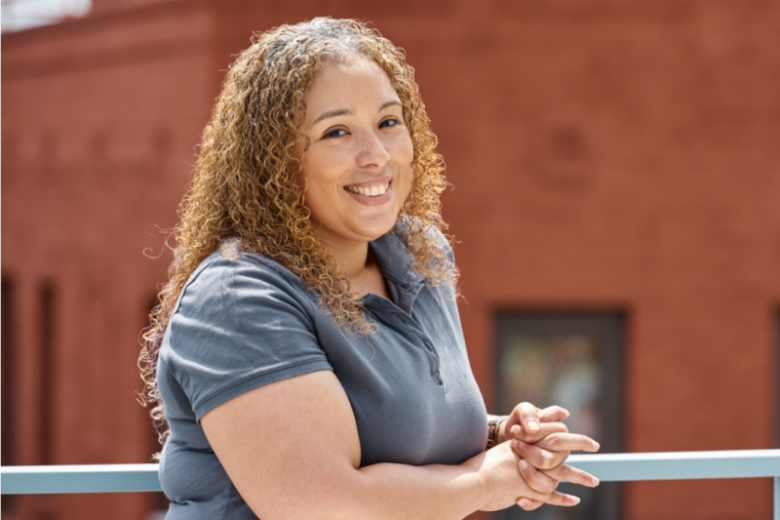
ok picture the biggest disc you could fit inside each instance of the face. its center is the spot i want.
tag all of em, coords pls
(357, 169)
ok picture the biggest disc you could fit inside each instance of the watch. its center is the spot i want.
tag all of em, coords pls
(493, 425)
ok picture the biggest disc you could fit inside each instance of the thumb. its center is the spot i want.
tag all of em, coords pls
(513, 432)
(529, 504)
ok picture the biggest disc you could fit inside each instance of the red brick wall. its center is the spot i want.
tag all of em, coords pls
(100, 118)
(605, 155)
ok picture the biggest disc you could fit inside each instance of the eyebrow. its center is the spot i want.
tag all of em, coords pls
(344, 112)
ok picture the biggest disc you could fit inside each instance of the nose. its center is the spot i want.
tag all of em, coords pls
(372, 153)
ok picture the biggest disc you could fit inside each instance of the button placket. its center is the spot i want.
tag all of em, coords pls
(410, 327)
(412, 291)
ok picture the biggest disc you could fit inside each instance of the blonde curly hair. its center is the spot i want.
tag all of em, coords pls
(244, 196)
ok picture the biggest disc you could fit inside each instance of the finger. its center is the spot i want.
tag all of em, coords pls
(568, 442)
(553, 413)
(529, 417)
(535, 479)
(560, 499)
(573, 475)
(529, 504)
(538, 457)
(517, 432)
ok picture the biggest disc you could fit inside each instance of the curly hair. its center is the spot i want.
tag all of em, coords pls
(244, 196)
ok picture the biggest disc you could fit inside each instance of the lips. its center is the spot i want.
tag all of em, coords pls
(369, 191)
(371, 194)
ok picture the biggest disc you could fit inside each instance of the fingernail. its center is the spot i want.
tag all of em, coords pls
(523, 464)
(533, 426)
(576, 499)
(522, 503)
(516, 443)
(596, 481)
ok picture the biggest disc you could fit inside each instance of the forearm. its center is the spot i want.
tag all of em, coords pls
(285, 472)
(392, 491)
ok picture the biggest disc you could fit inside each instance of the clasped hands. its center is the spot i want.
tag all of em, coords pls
(541, 443)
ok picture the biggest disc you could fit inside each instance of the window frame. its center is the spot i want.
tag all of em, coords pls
(609, 327)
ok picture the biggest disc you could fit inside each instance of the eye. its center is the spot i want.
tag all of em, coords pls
(389, 122)
(338, 132)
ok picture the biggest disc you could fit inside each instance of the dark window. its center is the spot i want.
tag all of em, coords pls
(48, 302)
(8, 350)
(572, 360)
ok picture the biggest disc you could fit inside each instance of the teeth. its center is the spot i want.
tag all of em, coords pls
(370, 191)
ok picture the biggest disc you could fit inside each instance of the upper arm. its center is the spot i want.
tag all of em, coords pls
(238, 326)
(289, 447)
(243, 348)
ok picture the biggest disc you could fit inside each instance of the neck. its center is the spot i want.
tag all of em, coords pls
(352, 257)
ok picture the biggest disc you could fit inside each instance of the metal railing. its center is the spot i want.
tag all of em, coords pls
(621, 467)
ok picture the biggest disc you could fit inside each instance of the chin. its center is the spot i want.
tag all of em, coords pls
(375, 231)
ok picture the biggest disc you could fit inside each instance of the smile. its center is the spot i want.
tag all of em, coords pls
(369, 191)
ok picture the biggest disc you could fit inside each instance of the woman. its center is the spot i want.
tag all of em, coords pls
(308, 347)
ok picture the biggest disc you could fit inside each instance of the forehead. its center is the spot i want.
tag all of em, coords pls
(347, 84)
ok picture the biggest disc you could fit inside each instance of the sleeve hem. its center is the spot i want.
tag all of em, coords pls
(258, 381)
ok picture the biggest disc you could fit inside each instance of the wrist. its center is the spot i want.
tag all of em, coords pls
(482, 480)
(502, 430)
(496, 430)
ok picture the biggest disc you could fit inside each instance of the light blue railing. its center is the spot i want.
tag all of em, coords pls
(621, 467)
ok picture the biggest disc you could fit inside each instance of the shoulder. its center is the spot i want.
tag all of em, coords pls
(407, 226)
(251, 265)
(243, 271)
(240, 322)
(229, 287)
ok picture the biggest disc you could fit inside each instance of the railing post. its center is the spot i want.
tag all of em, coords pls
(777, 498)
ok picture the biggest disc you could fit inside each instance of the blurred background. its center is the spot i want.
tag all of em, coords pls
(616, 201)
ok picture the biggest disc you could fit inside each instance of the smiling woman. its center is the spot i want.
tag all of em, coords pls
(357, 164)
(306, 359)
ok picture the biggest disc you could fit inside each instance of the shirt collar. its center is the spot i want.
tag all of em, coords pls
(394, 259)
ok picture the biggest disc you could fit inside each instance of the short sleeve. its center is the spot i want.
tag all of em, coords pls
(239, 324)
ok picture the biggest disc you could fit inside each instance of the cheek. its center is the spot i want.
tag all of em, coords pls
(406, 156)
(318, 177)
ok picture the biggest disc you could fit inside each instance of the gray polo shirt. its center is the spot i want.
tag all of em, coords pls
(241, 324)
